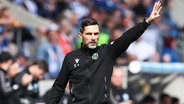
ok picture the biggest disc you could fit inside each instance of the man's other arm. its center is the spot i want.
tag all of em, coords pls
(60, 83)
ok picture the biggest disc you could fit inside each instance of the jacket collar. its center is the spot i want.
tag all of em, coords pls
(86, 49)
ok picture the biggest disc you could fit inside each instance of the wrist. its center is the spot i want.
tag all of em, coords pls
(149, 20)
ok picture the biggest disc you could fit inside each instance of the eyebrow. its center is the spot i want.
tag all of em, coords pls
(92, 33)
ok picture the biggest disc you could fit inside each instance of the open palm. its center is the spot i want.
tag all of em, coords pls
(155, 12)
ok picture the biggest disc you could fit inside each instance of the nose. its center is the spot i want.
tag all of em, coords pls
(93, 37)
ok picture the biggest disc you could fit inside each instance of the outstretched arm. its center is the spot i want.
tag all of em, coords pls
(155, 12)
(121, 44)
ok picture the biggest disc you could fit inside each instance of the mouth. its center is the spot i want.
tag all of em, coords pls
(92, 43)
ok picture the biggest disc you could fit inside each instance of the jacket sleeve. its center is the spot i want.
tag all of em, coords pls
(60, 83)
(3, 88)
(121, 44)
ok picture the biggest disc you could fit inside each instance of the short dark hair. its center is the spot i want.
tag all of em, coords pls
(175, 100)
(42, 65)
(87, 22)
(5, 56)
(148, 99)
(163, 96)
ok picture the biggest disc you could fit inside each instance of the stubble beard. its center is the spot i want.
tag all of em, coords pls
(92, 46)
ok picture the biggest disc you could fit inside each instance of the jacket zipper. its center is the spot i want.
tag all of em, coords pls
(105, 86)
(73, 98)
(89, 93)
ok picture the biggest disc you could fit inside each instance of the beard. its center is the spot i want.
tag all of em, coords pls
(92, 45)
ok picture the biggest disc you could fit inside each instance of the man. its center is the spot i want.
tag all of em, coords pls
(165, 99)
(119, 95)
(5, 88)
(89, 69)
(51, 52)
(25, 84)
(148, 99)
(175, 100)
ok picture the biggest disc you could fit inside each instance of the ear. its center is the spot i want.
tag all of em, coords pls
(80, 35)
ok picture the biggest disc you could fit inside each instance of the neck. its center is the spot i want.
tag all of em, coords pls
(86, 47)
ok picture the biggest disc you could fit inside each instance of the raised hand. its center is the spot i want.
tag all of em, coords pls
(155, 12)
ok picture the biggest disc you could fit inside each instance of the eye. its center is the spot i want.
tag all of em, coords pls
(88, 33)
(96, 33)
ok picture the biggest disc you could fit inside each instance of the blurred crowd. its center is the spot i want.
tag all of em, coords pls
(28, 55)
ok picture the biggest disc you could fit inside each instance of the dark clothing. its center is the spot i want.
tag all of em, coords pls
(64, 99)
(89, 70)
(30, 91)
(119, 95)
(5, 89)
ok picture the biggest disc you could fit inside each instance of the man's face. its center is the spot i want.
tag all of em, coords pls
(90, 36)
(117, 77)
(38, 73)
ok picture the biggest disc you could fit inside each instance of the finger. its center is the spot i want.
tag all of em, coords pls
(159, 10)
(156, 6)
(159, 5)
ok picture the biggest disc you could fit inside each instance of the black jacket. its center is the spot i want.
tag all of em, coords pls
(6, 90)
(119, 95)
(23, 91)
(89, 70)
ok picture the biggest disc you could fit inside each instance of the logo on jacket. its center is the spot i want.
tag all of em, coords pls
(95, 56)
(76, 62)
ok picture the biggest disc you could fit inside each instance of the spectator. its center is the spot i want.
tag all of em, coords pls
(6, 90)
(41, 34)
(175, 100)
(30, 6)
(13, 70)
(7, 19)
(51, 9)
(7, 22)
(143, 8)
(41, 37)
(41, 8)
(148, 100)
(116, 32)
(51, 52)
(22, 60)
(118, 94)
(80, 8)
(25, 83)
(65, 38)
(4, 44)
(169, 53)
(144, 51)
(164, 99)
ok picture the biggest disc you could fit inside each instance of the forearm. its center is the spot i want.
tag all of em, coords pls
(134, 33)
(121, 44)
